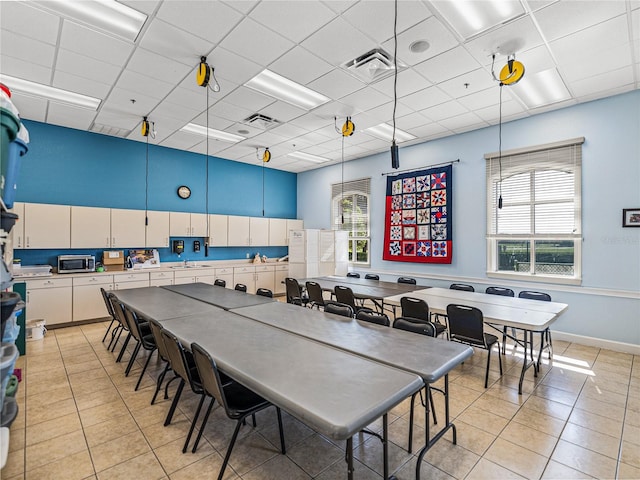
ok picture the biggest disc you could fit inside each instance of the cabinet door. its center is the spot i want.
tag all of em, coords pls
(227, 277)
(90, 227)
(238, 233)
(157, 230)
(265, 280)
(47, 226)
(218, 230)
(158, 279)
(205, 279)
(293, 224)
(88, 302)
(127, 228)
(51, 304)
(246, 278)
(259, 230)
(198, 225)
(17, 232)
(179, 224)
(277, 232)
(281, 272)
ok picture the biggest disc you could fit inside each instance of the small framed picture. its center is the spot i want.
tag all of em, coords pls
(631, 217)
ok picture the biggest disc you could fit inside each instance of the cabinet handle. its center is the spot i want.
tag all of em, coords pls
(113, 241)
(27, 241)
(107, 242)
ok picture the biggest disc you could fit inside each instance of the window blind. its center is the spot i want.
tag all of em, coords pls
(351, 200)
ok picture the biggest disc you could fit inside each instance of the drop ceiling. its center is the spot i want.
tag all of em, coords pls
(592, 46)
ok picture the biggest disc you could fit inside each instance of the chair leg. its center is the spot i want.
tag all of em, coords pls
(253, 419)
(486, 377)
(108, 328)
(146, 364)
(159, 382)
(115, 337)
(134, 354)
(114, 332)
(504, 340)
(124, 347)
(229, 449)
(204, 424)
(166, 387)
(174, 404)
(282, 447)
(193, 424)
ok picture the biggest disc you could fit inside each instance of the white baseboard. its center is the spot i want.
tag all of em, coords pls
(597, 342)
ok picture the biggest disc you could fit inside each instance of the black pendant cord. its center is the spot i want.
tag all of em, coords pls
(263, 188)
(146, 186)
(342, 186)
(206, 191)
(500, 150)
(395, 68)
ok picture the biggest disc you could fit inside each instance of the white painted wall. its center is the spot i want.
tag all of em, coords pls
(607, 304)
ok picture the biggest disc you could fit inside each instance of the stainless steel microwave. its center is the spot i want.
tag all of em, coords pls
(76, 263)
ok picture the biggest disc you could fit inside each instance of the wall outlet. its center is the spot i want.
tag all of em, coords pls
(247, 255)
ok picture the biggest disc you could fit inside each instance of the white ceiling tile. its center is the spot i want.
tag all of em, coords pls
(366, 99)
(431, 30)
(482, 99)
(336, 84)
(425, 98)
(120, 99)
(384, 113)
(282, 111)
(310, 122)
(17, 67)
(144, 6)
(34, 51)
(243, 129)
(607, 93)
(244, 6)
(340, 6)
(30, 108)
(605, 81)
(268, 138)
(462, 122)
(338, 42)
(300, 66)
(447, 65)
(256, 42)
(69, 116)
(29, 21)
(143, 84)
(330, 110)
(491, 114)
(230, 112)
(164, 126)
(375, 19)
(230, 67)
(430, 130)
(117, 119)
(287, 130)
(409, 82)
(444, 110)
(182, 140)
(293, 20)
(247, 98)
(564, 18)
(211, 21)
(215, 147)
(468, 83)
(73, 83)
(192, 100)
(599, 63)
(536, 60)
(412, 120)
(86, 67)
(149, 63)
(174, 43)
(90, 43)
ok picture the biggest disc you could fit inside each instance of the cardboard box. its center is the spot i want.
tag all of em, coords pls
(113, 260)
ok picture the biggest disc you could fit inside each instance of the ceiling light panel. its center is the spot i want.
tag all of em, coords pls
(469, 17)
(211, 133)
(542, 88)
(105, 15)
(282, 88)
(308, 157)
(384, 131)
(50, 93)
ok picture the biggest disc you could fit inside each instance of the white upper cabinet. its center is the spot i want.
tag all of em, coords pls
(127, 228)
(293, 224)
(259, 231)
(198, 225)
(238, 234)
(17, 232)
(47, 226)
(90, 227)
(218, 228)
(180, 224)
(277, 232)
(157, 231)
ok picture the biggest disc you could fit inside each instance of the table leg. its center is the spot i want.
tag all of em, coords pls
(349, 458)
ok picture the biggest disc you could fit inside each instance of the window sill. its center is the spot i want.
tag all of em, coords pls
(536, 278)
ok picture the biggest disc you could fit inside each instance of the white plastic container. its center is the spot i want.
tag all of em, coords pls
(35, 329)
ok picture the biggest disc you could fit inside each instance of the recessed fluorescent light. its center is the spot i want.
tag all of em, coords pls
(384, 131)
(284, 89)
(543, 88)
(470, 17)
(50, 93)
(308, 157)
(212, 133)
(106, 15)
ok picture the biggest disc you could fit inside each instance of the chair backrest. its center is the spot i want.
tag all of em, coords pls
(466, 325)
(118, 310)
(107, 303)
(178, 358)
(462, 286)
(411, 325)
(415, 308)
(265, 292)
(505, 292)
(209, 375)
(218, 282)
(531, 295)
(133, 323)
(240, 287)
(156, 331)
(408, 280)
(371, 276)
(338, 308)
(293, 291)
(345, 295)
(373, 317)
(353, 275)
(315, 293)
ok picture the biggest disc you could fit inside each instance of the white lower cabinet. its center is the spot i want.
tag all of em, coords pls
(254, 277)
(193, 276)
(50, 300)
(157, 279)
(225, 274)
(128, 280)
(280, 273)
(88, 302)
(265, 277)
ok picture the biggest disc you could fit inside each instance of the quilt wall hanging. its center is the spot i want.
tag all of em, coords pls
(418, 216)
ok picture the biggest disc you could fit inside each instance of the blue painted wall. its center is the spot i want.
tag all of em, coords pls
(73, 167)
(607, 303)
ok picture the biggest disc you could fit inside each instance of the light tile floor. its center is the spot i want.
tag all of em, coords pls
(81, 419)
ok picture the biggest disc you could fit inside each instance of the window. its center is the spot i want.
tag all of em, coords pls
(537, 232)
(350, 212)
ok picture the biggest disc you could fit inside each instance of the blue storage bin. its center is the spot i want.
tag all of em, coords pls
(11, 330)
(17, 149)
(8, 355)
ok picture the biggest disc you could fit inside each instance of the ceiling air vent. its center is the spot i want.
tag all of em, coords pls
(107, 130)
(372, 66)
(260, 121)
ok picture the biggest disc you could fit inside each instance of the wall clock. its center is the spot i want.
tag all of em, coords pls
(184, 192)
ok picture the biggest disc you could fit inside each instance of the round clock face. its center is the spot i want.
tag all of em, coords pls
(184, 191)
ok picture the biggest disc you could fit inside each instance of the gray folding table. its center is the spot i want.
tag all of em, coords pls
(218, 296)
(430, 358)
